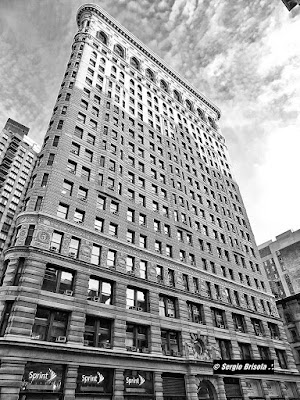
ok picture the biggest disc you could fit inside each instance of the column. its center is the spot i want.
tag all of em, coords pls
(119, 385)
(221, 389)
(244, 389)
(265, 389)
(191, 387)
(70, 382)
(158, 386)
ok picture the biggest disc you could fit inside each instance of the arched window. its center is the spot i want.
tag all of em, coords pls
(212, 122)
(163, 86)
(122, 75)
(201, 114)
(149, 74)
(102, 60)
(119, 50)
(102, 37)
(139, 88)
(113, 69)
(189, 105)
(155, 99)
(148, 94)
(94, 54)
(131, 82)
(135, 63)
(177, 96)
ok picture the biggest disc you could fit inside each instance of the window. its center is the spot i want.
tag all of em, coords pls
(50, 325)
(257, 326)
(281, 356)
(56, 241)
(38, 203)
(136, 337)
(58, 280)
(185, 280)
(143, 241)
(100, 290)
(225, 349)
(169, 250)
(143, 269)
(5, 317)
(239, 323)
(29, 236)
(97, 332)
(264, 352)
(130, 215)
(136, 299)
(129, 264)
(274, 330)
(101, 202)
(78, 216)
(218, 318)
(55, 141)
(170, 342)
(167, 306)
(85, 173)
(96, 254)
(74, 247)
(45, 180)
(130, 236)
(245, 351)
(111, 258)
(159, 274)
(113, 229)
(195, 313)
(50, 159)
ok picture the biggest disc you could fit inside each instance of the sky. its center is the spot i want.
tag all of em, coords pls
(244, 55)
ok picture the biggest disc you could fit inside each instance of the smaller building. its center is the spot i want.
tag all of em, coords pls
(18, 154)
(289, 310)
(281, 260)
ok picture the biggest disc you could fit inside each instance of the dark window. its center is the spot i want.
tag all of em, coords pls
(264, 352)
(50, 159)
(170, 342)
(245, 351)
(257, 326)
(239, 322)
(100, 290)
(274, 330)
(45, 180)
(5, 317)
(58, 280)
(97, 332)
(55, 141)
(136, 337)
(281, 355)
(18, 272)
(38, 203)
(50, 325)
(218, 318)
(195, 313)
(29, 236)
(225, 349)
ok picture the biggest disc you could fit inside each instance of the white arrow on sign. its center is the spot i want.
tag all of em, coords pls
(142, 380)
(100, 377)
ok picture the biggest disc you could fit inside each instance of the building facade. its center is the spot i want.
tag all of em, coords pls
(281, 260)
(289, 310)
(133, 264)
(18, 154)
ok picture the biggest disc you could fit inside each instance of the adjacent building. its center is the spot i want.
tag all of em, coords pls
(281, 260)
(133, 263)
(18, 154)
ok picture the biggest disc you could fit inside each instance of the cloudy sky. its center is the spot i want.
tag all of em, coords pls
(242, 54)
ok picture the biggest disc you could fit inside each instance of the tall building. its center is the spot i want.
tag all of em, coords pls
(133, 265)
(18, 154)
(281, 260)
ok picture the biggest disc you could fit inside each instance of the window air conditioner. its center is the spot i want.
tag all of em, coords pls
(97, 299)
(54, 249)
(61, 339)
(132, 308)
(86, 343)
(68, 292)
(72, 254)
(139, 309)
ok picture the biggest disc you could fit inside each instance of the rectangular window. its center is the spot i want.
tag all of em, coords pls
(195, 313)
(62, 211)
(50, 325)
(239, 323)
(185, 280)
(44, 180)
(101, 202)
(218, 318)
(100, 290)
(58, 280)
(98, 225)
(136, 299)
(97, 332)
(5, 317)
(29, 236)
(74, 247)
(111, 259)
(96, 254)
(143, 269)
(56, 241)
(170, 342)
(225, 349)
(136, 338)
(167, 306)
(67, 187)
(245, 351)
(38, 203)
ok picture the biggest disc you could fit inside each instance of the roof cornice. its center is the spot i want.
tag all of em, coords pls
(144, 49)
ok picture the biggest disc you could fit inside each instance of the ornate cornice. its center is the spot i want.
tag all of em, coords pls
(144, 49)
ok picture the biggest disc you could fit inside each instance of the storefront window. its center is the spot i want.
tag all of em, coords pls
(42, 379)
(95, 381)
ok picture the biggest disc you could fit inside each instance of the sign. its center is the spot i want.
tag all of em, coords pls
(42, 377)
(244, 367)
(138, 381)
(94, 380)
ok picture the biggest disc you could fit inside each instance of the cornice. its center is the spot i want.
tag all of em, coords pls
(144, 49)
